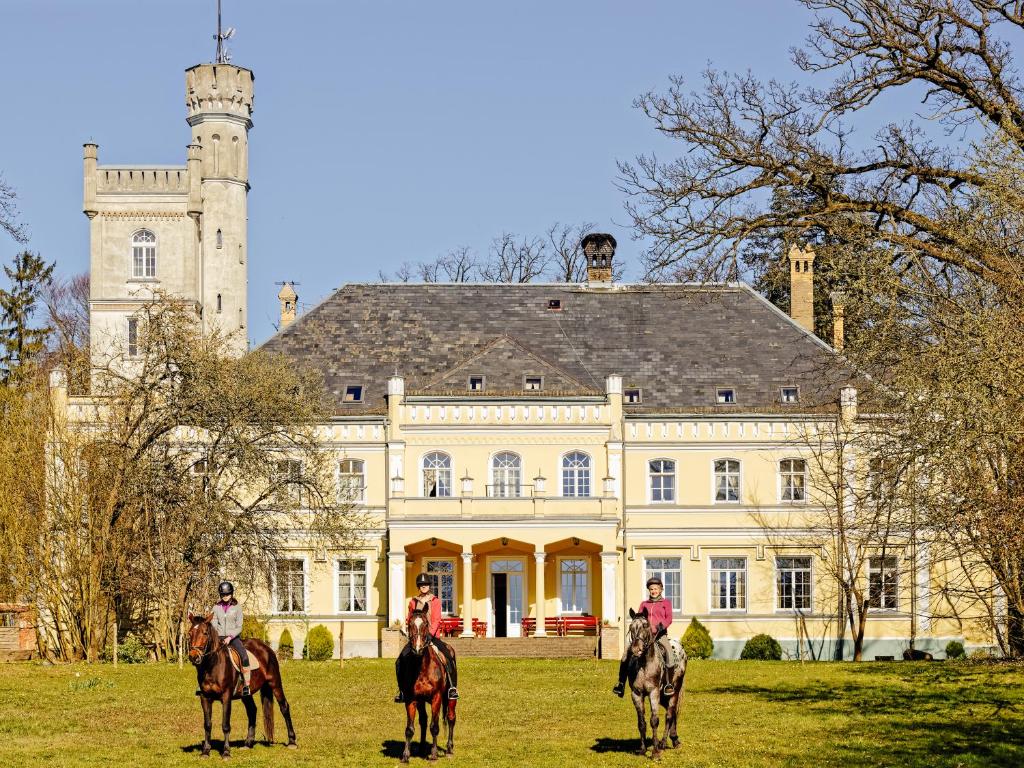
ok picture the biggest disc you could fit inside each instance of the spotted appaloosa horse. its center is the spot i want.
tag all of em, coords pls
(219, 680)
(424, 680)
(644, 672)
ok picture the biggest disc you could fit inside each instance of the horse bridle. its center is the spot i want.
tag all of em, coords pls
(647, 646)
(204, 651)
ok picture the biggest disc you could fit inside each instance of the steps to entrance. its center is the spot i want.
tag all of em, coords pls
(525, 647)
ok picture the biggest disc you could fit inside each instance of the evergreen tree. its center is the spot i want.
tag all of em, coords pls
(19, 341)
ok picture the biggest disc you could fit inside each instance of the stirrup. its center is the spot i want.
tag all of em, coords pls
(398, 698)
(246, 691)
(668, 689)
(453, 694)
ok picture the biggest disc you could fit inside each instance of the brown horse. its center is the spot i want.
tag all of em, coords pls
(219, 680)
(425, 680)
(645, 674)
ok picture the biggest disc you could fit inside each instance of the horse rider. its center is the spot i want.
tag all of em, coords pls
(227, 621)
(426, 598)
(659, 614)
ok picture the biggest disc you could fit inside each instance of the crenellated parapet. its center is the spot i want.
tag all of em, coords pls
(152, 180)
(220, 89)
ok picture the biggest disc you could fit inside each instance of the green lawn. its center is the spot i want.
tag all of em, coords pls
(558, 713)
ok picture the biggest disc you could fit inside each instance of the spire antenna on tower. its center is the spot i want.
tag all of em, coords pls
(222, 56)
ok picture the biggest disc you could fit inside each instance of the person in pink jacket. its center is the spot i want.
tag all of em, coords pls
(659, 613)
(427, 599)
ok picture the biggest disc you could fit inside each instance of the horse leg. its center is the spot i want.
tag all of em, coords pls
(641, 724)
(435, 727)
(286, 712)
(250, 712)
(423, 728)
(410, 718)
(450, 716)
(676, 700)
(207, 723)
(656, 745)
(225, 725)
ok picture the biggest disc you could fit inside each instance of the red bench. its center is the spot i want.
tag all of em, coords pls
(451, 626)
(563, 625)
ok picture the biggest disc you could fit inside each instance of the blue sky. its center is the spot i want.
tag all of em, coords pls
(384, 131)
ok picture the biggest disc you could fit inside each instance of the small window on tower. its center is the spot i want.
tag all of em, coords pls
(220, 239)
(632, 395)
(533, 383)
(726, 396)
(476, 383)
(353, 394)
(133, 337)
(220, 304)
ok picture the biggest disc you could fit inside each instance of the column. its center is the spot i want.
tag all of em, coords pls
(467, 594)
(609, 579)
(396, 587)
(923, 586)
(539, 591)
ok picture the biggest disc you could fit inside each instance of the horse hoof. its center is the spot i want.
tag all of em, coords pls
(292, 745)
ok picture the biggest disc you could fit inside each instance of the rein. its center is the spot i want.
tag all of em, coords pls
(203, 651)
(647, 645)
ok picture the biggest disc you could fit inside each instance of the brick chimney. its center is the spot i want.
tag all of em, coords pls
(801, 286)
(599, 248)
(838, 320)
(289, 301)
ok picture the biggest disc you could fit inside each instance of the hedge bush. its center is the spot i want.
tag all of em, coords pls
(697, 641)
(129, 651)
(286, 646)
(763, 648)
(319, 645)
(955, 650)
(254, 629)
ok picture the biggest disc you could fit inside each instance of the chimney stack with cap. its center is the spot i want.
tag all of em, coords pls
(599, 249)
(801, 286)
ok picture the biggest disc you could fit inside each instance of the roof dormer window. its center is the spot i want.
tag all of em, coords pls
(725, 396)
(790, 394)
(354, 394)
(533, 383)
(632, 395)
(555, 305)
(476, 383)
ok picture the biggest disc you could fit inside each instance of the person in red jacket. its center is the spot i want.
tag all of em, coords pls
(427, 598)
(659, 613)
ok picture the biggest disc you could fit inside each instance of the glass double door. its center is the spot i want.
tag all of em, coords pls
(508, 596)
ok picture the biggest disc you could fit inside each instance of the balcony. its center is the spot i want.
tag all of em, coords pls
(494, 506)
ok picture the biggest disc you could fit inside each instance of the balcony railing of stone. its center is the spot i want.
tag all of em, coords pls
(509, 491)
(494, 507)
(154, 179)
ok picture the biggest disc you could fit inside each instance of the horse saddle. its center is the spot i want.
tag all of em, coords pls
(237, 663)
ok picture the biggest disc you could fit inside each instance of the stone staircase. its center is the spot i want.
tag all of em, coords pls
(525, 647)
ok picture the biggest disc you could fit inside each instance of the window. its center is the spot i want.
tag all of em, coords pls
(353, 394)
(533, 383)
(555, 305)
(506, 473)
(200, 475)
(726, 396)
(143, 254)
(220, 303)
(793, 472)
(8, 620)
(352, 586)
(351, 480)
(632, 395)
(289, 477)
(669, 570)
(793, 583)
(663, 480)
(727, 480)
(291, 586)
(442, 583)
(437, 475)
(882, 583)
(790, 394)
(576, 474)
(133, 337)
(476, 383)
(220, 239)
(575, 593)
(728, 583)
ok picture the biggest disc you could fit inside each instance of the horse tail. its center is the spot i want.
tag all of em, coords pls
(267, 701)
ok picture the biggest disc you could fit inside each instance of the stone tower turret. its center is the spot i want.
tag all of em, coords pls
(289, 303)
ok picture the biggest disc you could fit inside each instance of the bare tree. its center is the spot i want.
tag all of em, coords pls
(9, 213)
(568, 264)
(514, 259)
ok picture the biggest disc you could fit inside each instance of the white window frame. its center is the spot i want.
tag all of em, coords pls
(639, 396)
(538, 378)
(360, 498)
(713, 593)
(296, 490)
(588, 470)
(518, 494)
(720, 393)
(739, 481)
(132, 346)
(779, 475)
(782, 395)
(337, 585)
(305, 585)
(674, 474)
(455, 581)
(810, 584)
(896, 591)
(590, 585)
(677, 611)
(147, 254)
(483, 382)
(449, 469)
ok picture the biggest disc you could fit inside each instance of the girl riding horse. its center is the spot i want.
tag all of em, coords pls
(659, 612)
(426, 599)
(227, 620)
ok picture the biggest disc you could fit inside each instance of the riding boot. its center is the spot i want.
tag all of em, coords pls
(620, 687)
(245, 682)
(398, 677)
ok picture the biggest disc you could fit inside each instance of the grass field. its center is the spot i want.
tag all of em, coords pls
(557, 713)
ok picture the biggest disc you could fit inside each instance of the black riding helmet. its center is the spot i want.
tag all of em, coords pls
(226, 588)
(422, 580)
(654, 580)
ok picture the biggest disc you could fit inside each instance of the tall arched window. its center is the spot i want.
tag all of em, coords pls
(437, 475)
(143, 254)
(506, 475)
(727, 480)
(576, 474)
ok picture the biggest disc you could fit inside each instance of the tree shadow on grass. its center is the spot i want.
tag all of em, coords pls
(625, 746)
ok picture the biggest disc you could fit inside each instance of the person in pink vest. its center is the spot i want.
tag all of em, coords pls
(427, 598)
(659, 613)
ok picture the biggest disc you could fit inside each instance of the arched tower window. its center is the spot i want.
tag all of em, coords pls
(220, 239)
(220, 304)
(143, 254)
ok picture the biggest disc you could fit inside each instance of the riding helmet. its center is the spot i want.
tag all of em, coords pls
(422, 579)
(226, 588)
(654, 580)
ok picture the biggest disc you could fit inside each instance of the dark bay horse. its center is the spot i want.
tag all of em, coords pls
(645, 672)
(218, 680)
(424, 680)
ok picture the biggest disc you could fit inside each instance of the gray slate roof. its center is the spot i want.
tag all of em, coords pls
(678, 343)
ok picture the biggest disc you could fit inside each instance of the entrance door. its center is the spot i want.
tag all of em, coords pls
(507, 596)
